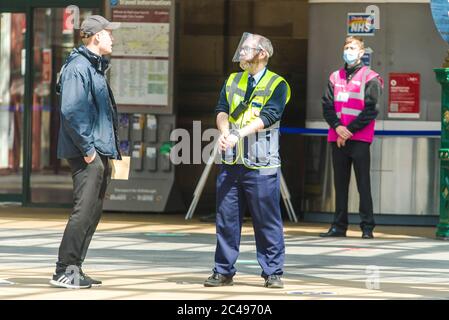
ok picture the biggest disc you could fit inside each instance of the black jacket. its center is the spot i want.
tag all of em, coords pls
(373, 89)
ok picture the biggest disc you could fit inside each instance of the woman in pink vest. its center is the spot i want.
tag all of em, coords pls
(349, 107)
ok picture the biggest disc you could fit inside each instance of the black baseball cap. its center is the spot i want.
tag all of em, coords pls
(93, 24)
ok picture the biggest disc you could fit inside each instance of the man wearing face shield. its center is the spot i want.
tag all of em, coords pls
(349, 107)
(248, 113)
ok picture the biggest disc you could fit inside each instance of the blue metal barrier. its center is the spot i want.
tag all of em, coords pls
(407, 133)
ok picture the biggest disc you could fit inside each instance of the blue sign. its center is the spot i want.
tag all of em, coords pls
(114, 3)
(366, 59)
(360, 24)
(440, 14)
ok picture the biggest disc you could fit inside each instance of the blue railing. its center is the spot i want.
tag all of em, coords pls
(407, 133)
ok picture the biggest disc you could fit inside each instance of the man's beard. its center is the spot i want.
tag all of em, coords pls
(247, 64)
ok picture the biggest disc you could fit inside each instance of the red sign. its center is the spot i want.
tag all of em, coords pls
(67, 22)
(403, 92)
(46, 66)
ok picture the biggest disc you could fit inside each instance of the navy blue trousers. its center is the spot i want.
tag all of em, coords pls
(238, 187)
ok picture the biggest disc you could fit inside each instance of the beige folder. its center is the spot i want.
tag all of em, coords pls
(120, 168)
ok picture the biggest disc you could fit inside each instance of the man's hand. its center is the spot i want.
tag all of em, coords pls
(91, 158)
(232, 140)
(341, 142)
(222, 141)
(343, 132)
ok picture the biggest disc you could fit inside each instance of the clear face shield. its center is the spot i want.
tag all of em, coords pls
(248, 48)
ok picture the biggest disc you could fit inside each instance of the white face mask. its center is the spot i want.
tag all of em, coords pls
(351, 56)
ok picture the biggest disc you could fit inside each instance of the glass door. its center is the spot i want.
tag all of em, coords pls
(54, 38)
(12, 93)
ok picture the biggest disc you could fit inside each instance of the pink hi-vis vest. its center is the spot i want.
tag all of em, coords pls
(349, 101)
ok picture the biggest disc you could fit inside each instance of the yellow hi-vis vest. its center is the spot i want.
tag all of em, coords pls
(261, 149)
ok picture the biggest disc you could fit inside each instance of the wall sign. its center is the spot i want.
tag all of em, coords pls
(404, 95)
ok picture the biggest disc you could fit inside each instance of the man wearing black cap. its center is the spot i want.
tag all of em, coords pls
(87, 139)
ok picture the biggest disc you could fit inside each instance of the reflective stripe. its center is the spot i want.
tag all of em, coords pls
(355, 95)
(362, 86)
(232, 159)
(358, 95)
(262, 93)
(237, 90)
(336, 77)
(269, 156)
(234, 88)
(267, 90)
(350, 111)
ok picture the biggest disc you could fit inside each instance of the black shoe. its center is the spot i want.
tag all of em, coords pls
(367, 234)
(70, 281)
(95, 283)
(273, 281)
(333, 232)
(218, 280)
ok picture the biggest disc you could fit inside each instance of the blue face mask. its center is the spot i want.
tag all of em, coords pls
(350, 57)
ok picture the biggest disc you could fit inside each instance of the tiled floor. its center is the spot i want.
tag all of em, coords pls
(157, 256)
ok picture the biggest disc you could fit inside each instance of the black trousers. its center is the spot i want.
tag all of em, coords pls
(89, 187)
(355, 153)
